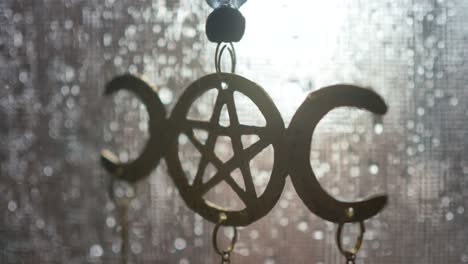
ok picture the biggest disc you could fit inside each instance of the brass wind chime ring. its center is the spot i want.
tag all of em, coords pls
(350, 255)
(224, 253)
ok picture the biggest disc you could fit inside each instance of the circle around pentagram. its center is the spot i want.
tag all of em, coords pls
(271, 134)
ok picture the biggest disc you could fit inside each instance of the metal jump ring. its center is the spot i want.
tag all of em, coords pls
(219, 54)
(350, 255)
(230, 248)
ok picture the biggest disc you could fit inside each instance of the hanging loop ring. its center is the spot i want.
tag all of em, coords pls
(224, 253)
(350, 255)
(220, 49)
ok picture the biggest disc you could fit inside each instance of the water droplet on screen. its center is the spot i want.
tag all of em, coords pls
(180, 243)
(378, 129)
(449, 216)
(12, 206)
(318, 235)
(373, 169)
(96, 251)
(303, 226)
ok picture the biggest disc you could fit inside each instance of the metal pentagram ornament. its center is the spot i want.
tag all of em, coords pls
(291, 146)
(271, 134)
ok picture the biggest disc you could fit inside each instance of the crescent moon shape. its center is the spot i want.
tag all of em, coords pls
(155, 147)
(300, 132)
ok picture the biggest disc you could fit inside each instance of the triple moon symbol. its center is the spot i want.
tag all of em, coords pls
(291, 147)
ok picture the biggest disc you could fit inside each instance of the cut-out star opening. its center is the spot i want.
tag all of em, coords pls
(229, 147)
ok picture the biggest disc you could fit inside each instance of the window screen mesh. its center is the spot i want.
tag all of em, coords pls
(57, 55)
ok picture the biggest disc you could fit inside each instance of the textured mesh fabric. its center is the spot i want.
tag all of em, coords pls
(57, 55)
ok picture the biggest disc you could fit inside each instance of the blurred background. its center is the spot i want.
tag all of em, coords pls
(57, 55)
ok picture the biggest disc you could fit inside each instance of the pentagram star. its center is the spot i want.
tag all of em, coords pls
(241, 156)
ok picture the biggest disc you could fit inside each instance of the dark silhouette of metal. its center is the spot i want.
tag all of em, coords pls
(149, 158)
(271, 134)
(291, 147)
(300, 132)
